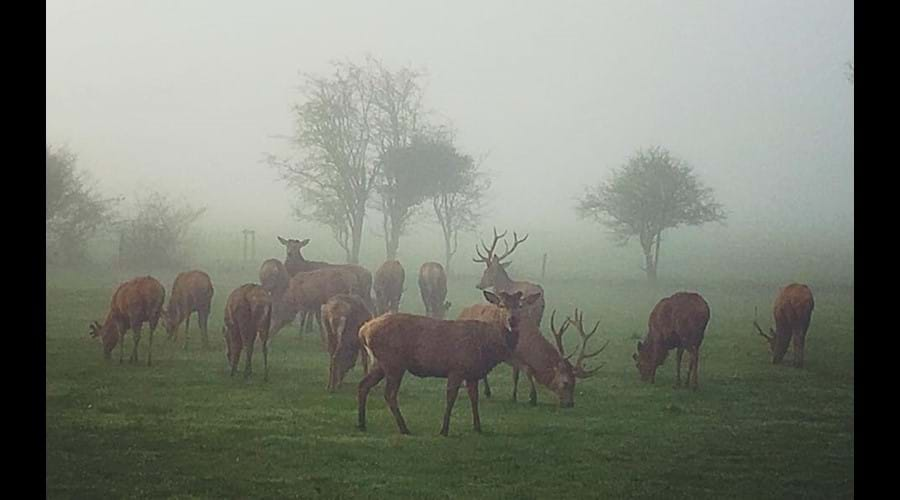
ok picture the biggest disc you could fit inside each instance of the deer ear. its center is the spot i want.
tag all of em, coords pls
(504, 265)
(304, 242)
(282, 240)
(492, 298)
(531, 299)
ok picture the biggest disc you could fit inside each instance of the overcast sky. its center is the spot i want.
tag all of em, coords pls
(187, 96)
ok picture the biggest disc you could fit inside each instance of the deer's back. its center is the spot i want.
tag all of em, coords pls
(192, 288)
(249, 308)
(273, 276)
(680, 320)
(793, 308)
(140, 299)
(389, 278)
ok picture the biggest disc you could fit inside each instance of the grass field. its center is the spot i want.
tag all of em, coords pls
(183, 429)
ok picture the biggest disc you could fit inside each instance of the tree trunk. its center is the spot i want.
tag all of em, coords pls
(650, 265)
(356, 240)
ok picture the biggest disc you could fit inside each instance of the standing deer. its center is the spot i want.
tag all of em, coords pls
(433, 287)
(307, 292)
(793, 312)
(495, 275)
(273, 277)
(192, 291)
(388, 287)
(248, 314)
(342, 316)
(133, 303)
(539, 358)
(460, 350)
(677, 322)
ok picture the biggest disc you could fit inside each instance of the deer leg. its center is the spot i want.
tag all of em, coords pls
(187, 329)
(202, 317)
(472, 386)
(248, 367)
(121, 345)
(137, 340)
(532, 396)
(487, 388)
(391, 389)
(364, 354)
(265, 346)
(362, 394)
(799, 348)
(515, 382)
(678, 355)
(150, 347)
(695, 363)
(453, 384)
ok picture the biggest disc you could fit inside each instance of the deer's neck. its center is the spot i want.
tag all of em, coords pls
(502, 280)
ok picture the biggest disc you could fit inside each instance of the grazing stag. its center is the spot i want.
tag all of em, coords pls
(495, 274)
(273, 277)
(342, 316)
(133, 303)
(307, 292)
(294, 263)
(388, 287)
(248, 314)
(677, 322)
(540, 359)
(433, 286)
(793, 312)
(460, 350)
(191, 292)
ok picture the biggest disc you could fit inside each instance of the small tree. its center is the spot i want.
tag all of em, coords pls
(75, 211)
(653, 192)
(155, 237)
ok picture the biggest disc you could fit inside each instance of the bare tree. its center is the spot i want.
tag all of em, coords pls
(654, 191)
(156, 235)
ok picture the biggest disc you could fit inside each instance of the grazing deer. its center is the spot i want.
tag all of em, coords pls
(273, 277)
(793, 312)
(294, 263)
(133, 303)
(342, 316)
(460, 350)
(248, 314)
(388, 287)
(495, 274)
(676, 322)
(307, 292)
(539, 358)
(433, 287)
(192, 291)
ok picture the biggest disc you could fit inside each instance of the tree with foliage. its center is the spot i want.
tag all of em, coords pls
(652, 192)
(155, 236)
(75, 211)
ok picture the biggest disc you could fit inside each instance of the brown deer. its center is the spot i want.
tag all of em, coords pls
(342, 316)
(495, 274)
(539, 358)
(248, 314)
(273, 276)
(294, 263)
(793, 312)
(133, 303)
(433, 287)
(460, 350)
(191, 292)
(388, 287)
(307, 292)
(676, 322)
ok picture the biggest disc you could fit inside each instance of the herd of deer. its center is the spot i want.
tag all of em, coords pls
(390, 343)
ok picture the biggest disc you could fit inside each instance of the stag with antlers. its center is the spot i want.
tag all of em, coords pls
(495, 275)
(793, 313)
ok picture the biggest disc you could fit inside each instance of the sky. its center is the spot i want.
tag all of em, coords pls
(188, 96)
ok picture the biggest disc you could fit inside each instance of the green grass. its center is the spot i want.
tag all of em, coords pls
(184, 429)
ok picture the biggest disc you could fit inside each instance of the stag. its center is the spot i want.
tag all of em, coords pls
(133, 303)
(460, 350)
(793, 312)
(388, 287)
(191, 292)
(433, 287)
(495, 275)
(342, 316)
(248, 314)
(676, 322)
(307, 292)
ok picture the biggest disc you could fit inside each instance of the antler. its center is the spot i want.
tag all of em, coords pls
(558, 334)
(758, 329)
(490, 251)
(579, 366)
(516, 242)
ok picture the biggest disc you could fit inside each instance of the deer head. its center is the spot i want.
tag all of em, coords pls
(293, 247)
(495, 268)
(769, 338)
(108, 336)
(565, 373)
(513, 305)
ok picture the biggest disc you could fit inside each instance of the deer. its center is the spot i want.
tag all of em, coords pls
(433, 287)
(134, 302)
(191, 292)
(458, 350)
(495, 275)
(388, 287)
(792, 312)
(676, 322)
(294, 263)
(307, 292)
(248, 315)
(273, 276)
(342, 316)
(540, 359)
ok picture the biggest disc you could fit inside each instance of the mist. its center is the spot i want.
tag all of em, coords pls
(188, 97)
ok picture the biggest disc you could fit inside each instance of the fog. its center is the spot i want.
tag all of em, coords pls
(187, 97)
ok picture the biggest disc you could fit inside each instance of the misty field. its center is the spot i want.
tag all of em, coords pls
(184, 429)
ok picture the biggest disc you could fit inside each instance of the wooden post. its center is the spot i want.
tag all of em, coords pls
(544, 267)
